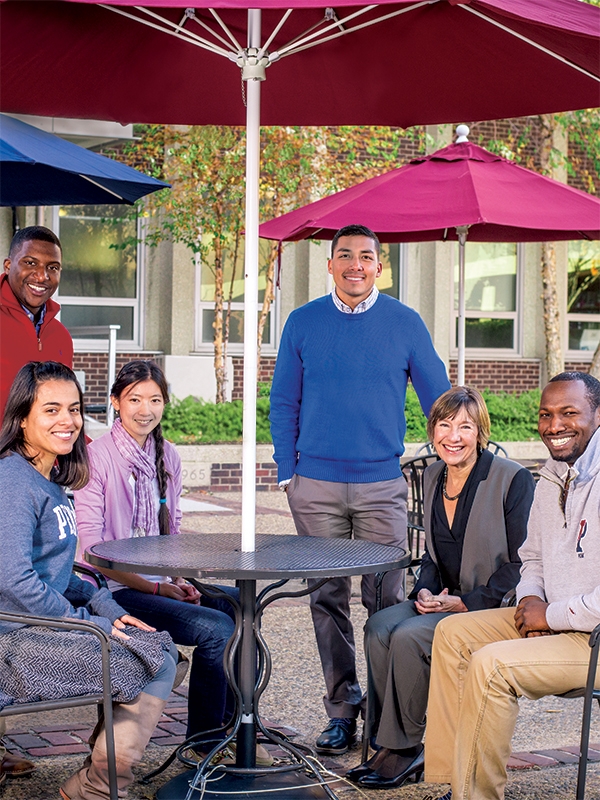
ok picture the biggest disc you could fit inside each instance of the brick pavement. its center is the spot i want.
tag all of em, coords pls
(70, 738)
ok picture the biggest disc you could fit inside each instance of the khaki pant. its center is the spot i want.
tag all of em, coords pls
(480, 666)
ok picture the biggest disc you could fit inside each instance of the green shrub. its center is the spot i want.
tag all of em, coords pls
(192, 421)
(416, 422)
(513, 417)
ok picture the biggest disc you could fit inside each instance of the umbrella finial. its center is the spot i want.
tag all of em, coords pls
(462, 131)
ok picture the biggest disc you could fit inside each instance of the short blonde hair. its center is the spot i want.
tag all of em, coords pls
(451, 402)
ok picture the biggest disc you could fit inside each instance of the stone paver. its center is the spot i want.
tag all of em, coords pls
(543, 766)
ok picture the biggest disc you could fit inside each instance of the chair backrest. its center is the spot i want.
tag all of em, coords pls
(413, 470)
(104, 699)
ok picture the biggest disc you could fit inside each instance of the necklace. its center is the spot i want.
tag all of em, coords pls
(444, 492)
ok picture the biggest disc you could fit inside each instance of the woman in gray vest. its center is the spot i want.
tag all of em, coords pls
(476, 507)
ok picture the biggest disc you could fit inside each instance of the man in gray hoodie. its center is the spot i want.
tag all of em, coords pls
(484, 661)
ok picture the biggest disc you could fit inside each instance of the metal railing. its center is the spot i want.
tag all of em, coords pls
(81, 331)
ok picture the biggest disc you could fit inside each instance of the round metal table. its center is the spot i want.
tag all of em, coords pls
(278, 558)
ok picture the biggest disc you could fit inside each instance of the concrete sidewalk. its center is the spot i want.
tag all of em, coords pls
(546, 738)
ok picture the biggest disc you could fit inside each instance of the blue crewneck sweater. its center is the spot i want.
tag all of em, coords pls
(339, 388)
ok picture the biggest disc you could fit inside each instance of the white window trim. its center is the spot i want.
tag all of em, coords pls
(137, 302)
(577, 355)
(233, 348)
(492, 353)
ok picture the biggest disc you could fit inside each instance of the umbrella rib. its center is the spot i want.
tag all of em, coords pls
(189, 37)
(179, 27)
(99, 185)
(300, 45)
(276, 30)
(506, 29)
(209, 29)
(232, 38)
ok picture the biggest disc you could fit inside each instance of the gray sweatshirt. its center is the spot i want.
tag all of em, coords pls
(38, 539)
(561, 555)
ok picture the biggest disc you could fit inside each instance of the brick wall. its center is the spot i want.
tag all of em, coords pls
(266, 368)
(95, 366)
(519, 375)
(228, 477)
(577, 366)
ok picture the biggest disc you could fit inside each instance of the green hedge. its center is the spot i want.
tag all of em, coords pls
(191, 421)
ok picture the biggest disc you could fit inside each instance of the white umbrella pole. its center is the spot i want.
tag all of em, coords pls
(462, 240)
(251, 296)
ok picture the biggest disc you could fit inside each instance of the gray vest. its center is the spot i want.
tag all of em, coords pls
(485, 546)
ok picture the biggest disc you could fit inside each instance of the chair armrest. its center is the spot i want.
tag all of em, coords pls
(98, 577)
(62, 624)
(595, 637)
(509, 599)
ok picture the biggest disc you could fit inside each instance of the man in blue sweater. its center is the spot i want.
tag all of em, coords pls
(338, 425)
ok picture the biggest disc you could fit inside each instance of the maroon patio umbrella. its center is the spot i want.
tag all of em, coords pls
(423, 62)
(400, 62)
(458, 192)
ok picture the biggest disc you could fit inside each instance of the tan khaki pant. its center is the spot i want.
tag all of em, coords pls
(480, 666)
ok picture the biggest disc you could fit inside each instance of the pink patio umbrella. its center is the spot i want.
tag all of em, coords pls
(400, 62)
(458, 192)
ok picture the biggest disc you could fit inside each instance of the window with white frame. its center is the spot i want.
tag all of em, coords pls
(233, 287)
(583, 296)
(392, 280)
(492, 295)
(101, 276)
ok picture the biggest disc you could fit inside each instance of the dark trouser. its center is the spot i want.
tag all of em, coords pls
(373, 511)
(206, 627)
(398, 644)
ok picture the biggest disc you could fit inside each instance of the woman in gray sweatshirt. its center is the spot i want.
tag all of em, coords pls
(42, 450)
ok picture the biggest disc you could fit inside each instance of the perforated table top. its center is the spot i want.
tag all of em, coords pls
(220, 556)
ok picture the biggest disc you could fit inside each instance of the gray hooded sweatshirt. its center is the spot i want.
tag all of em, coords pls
(561, 555)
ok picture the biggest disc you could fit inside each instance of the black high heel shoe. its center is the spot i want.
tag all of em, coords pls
(356, 773)
(412, 772)
(367, 767)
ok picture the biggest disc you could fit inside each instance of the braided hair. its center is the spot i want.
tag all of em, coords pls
(132, 373)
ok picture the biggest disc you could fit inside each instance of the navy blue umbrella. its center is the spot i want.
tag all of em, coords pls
(40, 169)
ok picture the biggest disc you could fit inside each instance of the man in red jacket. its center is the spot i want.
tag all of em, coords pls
(29, 330)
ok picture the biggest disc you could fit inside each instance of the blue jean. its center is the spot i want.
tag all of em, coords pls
(206, 627)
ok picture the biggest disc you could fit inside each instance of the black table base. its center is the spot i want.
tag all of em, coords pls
(249, 649)
(288, 785)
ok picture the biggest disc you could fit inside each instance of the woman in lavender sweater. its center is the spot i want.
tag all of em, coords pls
(134, 490)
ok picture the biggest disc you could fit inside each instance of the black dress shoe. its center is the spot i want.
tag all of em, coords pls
(337, 737)
(413, 772)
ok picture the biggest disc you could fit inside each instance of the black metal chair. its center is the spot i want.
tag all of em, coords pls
(589, 693)
(103, 701)
(413, 470)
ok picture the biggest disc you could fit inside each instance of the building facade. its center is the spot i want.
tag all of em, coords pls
(162, 297)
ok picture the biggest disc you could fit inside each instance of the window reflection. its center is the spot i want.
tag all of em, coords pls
(99, 251)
